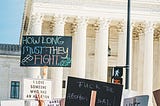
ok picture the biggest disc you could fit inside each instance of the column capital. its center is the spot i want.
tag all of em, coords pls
(73, 26)
(59, 19)
(138, 29)
(80, 23)
(80, 20)
(36, 18)
(35, 23)
(157, 32)
(149, 26)
(121, 26)
(103, 22)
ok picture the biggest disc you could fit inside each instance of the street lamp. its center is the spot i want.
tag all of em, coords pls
(128, 47)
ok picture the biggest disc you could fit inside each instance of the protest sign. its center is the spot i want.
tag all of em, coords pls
(156, 94)
(136, 101)
(32, 87)
(53, 102)
(12, 102)
(81, 91)
(51, 51)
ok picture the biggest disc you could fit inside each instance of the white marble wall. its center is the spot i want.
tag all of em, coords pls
(10, 71)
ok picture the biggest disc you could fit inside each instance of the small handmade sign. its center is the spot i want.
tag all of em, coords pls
(32, 87)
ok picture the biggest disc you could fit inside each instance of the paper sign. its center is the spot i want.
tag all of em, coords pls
(55, 102)
(79, 93)
(136, 101)
(32, 87)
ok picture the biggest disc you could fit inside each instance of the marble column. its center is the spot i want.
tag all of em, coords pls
(155, 63)
(135, 55)
(156, 60)
(35, 29)
(35, 24)
(121, 59)
(79, 48)
(101, 51)
(139, 55)
(57, 72)
(140, 63)
(122, 30)
(158, 64)
(148, 62)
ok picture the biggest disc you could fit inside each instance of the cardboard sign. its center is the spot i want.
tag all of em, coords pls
(12, 102)
(53, 102)
(51, 51)
(136, 101)
(81, 91)
(32, 87)
(156, 94)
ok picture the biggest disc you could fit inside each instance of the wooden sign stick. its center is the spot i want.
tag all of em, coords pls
(45, 68)
(93, 98)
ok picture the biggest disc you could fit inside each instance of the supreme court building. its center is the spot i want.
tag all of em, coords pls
(98, 28)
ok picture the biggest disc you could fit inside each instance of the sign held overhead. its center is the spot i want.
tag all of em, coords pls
(85, 92)
(51, 51)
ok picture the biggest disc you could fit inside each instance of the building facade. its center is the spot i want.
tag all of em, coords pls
(96, 26)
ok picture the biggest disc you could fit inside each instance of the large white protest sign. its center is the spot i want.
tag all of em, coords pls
(32, 87)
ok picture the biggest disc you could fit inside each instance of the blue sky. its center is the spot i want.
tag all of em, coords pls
(11, 13)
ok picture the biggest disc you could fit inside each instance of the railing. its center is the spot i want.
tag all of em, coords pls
(9, 49)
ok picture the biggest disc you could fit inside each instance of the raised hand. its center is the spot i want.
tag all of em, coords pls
(40, 100)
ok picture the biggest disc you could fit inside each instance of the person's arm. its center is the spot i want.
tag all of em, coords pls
(40, 100)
